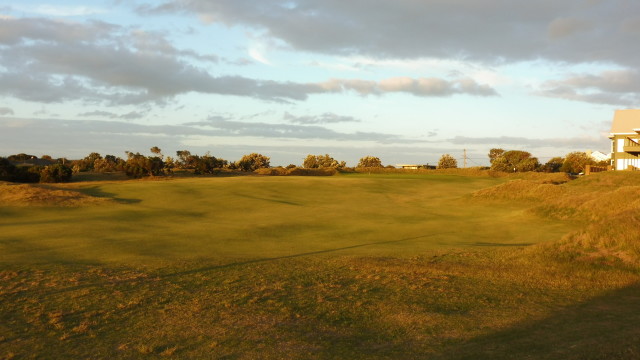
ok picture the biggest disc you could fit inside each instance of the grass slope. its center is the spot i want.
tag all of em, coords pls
(357, 266)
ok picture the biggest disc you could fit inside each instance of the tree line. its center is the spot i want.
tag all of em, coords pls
(522, 161)
(29, 168)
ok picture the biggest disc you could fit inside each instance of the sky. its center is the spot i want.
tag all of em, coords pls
(403, 80)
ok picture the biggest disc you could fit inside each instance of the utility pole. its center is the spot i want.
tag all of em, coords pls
(465, 158)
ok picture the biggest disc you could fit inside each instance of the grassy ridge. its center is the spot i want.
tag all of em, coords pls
(609, 202)
(353, 266)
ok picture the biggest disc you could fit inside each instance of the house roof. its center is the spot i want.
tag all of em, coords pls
(626, 122)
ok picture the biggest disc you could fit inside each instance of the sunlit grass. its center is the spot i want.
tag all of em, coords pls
(352, 266)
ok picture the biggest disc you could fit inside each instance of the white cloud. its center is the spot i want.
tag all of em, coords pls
(50, 61)
(257, 53)
(489, 31)
(614, 87)
(59, 10)
(325, 118)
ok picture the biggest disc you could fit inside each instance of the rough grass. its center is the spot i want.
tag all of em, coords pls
(44, 195)
(606, 203)
(397, 266)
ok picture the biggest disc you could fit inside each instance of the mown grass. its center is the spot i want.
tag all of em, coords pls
(396, 266)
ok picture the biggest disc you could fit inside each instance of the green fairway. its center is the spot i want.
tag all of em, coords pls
(353, 266)
(255, 217)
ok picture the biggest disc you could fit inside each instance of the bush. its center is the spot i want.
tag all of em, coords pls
(138, 166)
(553, 165)
(26, 174)
(7, 169)
(322, 161)
(494, 154)
(276, 171)
(252, 162)
(447, 162)
(515, 161)
(23, 174)
(55, 174)
(575, 162)
(206, 164)
(369, 162)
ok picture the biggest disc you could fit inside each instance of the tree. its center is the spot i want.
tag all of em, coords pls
(183, 158)
(252, 162)
(169, 165)
(7, 170)
(447, 162)
(22, 157)
(109, 163)
(138, 165)
(55, 174)
(322, 161)
(553, 165)
(208, 164)
(156, 150)
(576, 161)
(494, 154)
(87, 164)
(370, 161)
(515, 160)
(310, 162)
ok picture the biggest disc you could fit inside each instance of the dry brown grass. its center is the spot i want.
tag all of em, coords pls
(42, 195)
(607, 205)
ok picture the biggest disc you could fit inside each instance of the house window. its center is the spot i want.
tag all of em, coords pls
(620, 145)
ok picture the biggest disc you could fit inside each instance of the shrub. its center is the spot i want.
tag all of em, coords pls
(252, 162)
(7, 169)
(447, 162)
(322, 161)
(575, 162)
(206, 164)
(55, 174)
(494, 154)
(369, 162)
(138, 166)
(515, 161)
(26, 174)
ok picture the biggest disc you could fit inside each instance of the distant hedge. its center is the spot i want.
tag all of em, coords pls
(280, 171)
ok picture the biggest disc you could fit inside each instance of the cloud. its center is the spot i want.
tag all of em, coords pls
(133, 115)
(5, 111)
(522, 142)
(326, 118)
(51, 61)
(105, 114)
(57, 10)
(616, 87)
(81, 137)
(424, 87)
(564, 27)
(492, 31)
(224, 126)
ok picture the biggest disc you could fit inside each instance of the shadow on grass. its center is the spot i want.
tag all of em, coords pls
(266, 199)
(247, 262)
(310, 253)
(605, 327)
(499, 244)
(97, 191)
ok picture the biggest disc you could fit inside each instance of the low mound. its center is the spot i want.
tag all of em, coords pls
(519, 190)
(607, 204)
(38, 195)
